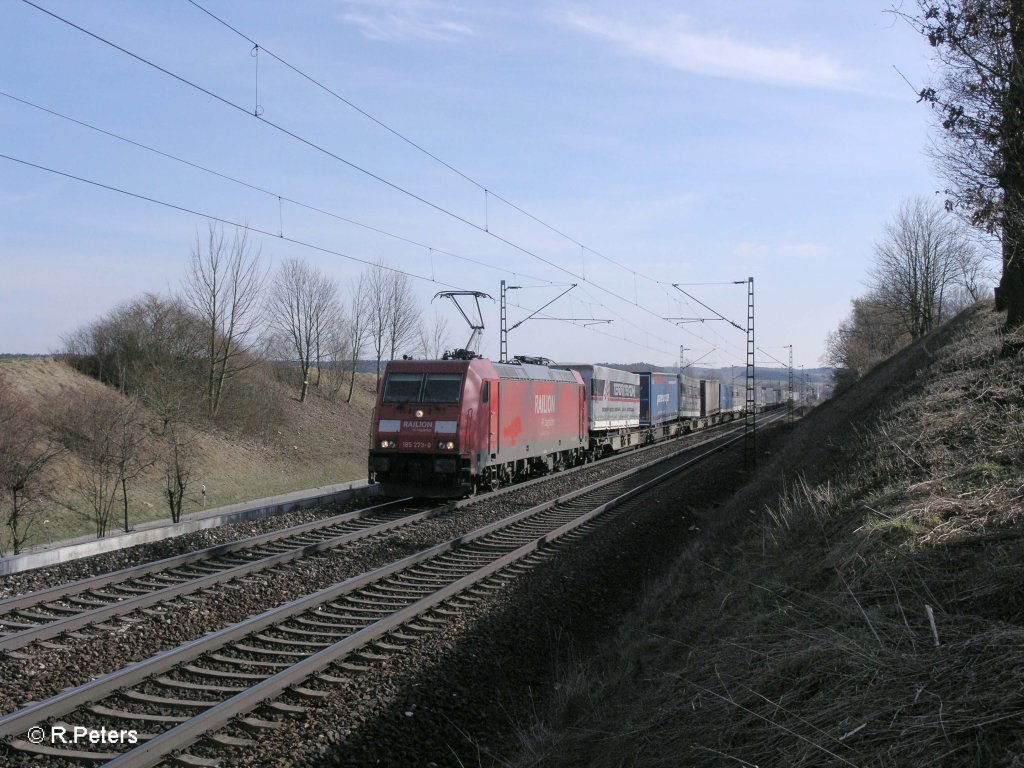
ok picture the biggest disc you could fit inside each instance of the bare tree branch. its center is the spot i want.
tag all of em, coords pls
(25, 452)
(300, 304)
(224, 286)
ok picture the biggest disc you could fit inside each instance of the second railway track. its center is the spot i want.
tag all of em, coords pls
(45, 614)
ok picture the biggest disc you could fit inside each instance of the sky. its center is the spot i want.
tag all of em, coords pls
(628, 148)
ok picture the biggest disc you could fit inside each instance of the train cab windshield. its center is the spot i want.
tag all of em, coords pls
(442, 388)
(403, 388)
(423, 388)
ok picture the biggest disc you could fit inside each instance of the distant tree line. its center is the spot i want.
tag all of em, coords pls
(233, 315)
(202, 356)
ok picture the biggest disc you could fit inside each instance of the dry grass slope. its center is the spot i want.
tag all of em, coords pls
(798, 633)
(320, 442)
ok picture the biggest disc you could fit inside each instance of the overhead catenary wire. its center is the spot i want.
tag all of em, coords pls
(329, 153)
(681, 297)
(720, 316)
(256, 188)
(762, 351)
(420, 148)
(220, 219)
(487, 192)
(380, 179)
(266, 233)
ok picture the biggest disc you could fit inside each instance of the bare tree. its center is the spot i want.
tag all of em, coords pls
(393, 312)
(169, 400)
(148, 338)
(403, 314)
(299, 301)
(177, 459)
(378, 298)
(130, 458)
(328, 329)
(976, 274)
(92, 426)
(434, 338)
(870, 334)
(223, 286)
(922, 256)
(979, 102)
(25, 452)
(335, 354)
(358, 326)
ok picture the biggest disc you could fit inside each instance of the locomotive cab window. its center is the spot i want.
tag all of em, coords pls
(403, 388)
(442, 388)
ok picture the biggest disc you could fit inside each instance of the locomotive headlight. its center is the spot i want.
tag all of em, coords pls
(387, 443)
(450, 445)
(445, 445)
(419, 414)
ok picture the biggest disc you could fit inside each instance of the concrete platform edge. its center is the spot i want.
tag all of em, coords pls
(61, 552)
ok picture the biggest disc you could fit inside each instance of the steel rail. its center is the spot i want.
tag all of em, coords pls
(17, 722)
(107, 579)
(19, 639)
(69, 589)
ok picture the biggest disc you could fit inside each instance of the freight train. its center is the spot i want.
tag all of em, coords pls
(448, 428)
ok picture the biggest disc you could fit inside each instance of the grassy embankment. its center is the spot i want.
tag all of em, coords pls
(320, 442)
(798, 630)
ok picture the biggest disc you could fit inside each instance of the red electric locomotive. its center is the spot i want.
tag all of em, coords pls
(445, 428)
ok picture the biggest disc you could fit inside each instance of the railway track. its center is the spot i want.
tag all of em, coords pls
(43, 615)
(286, 654)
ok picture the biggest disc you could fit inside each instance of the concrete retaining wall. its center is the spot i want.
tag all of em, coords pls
(61, 552)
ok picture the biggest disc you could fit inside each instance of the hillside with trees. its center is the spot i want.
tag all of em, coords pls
(72, 450)
(859, 603)
(977, 98)
(244, 383)
(927, 265)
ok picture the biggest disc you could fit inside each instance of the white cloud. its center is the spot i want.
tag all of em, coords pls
(676, 43)
(399, 20)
